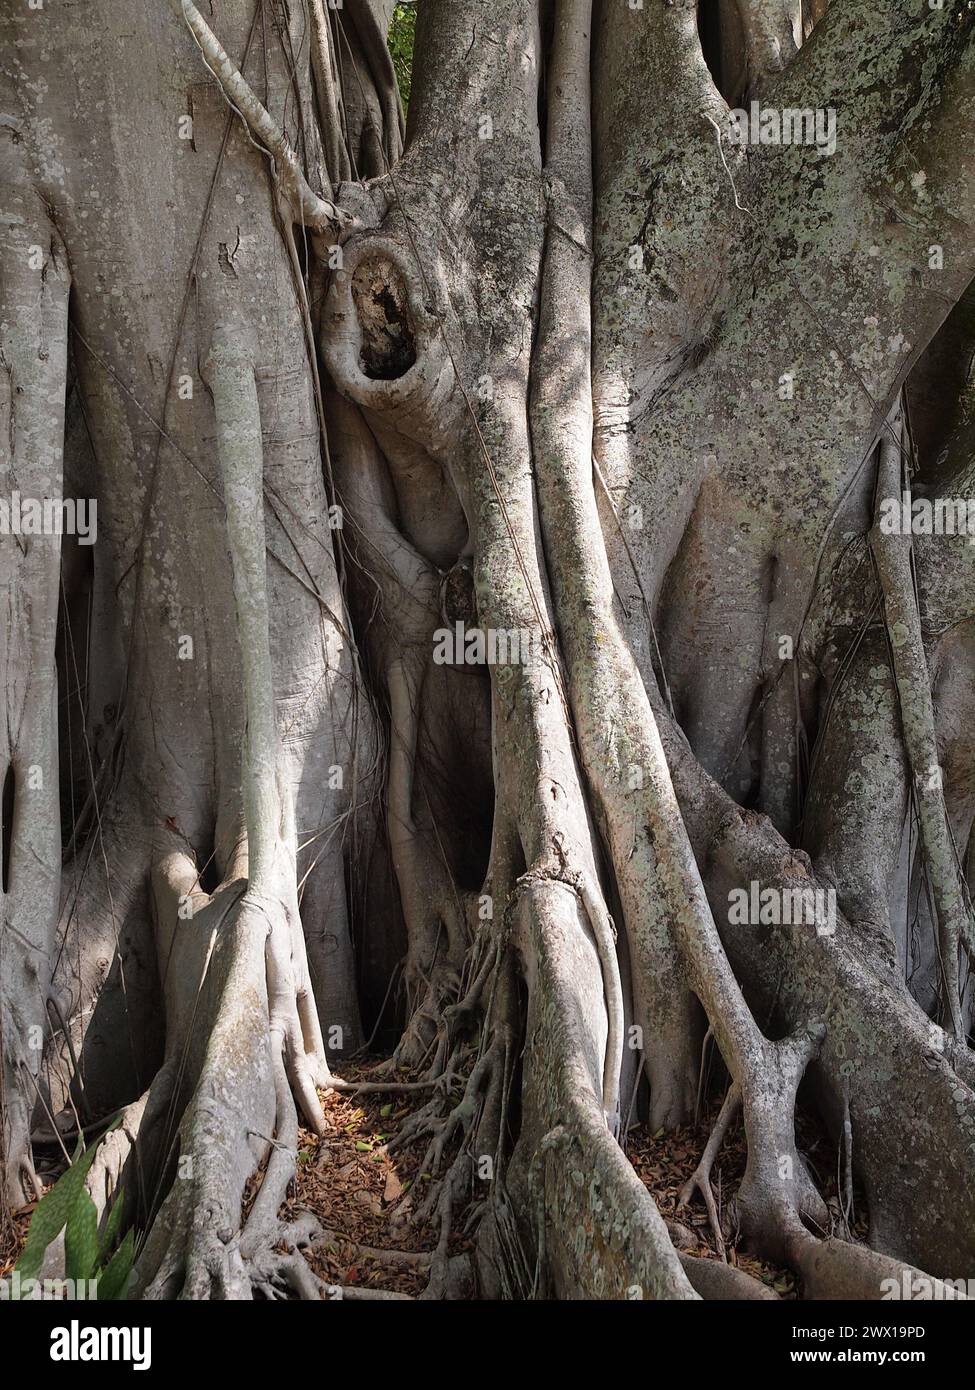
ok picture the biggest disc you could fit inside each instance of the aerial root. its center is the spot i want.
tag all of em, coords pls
(449, 1010)
(895, 571)
(305, 204)
(425, 1039)
(475, 1120)
(700, 1179)
(451, 1018)
(776, 1190)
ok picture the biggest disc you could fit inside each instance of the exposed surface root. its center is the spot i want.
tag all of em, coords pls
(364, 1192)
(669, 1162)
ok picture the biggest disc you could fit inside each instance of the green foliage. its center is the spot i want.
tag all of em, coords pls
(402, 31)
(69, 1207)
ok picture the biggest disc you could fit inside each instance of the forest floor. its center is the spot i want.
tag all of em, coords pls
(364, 1196)
(665, 1160)
(13, 1233)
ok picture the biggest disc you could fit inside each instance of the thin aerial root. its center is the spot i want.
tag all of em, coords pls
(604, 936)
(604, 933)
(893, 557)
(386, 1087)
(846, 1151)
(307, 206)
(700, 1179)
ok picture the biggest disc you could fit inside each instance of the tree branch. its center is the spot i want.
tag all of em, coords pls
(316, 213)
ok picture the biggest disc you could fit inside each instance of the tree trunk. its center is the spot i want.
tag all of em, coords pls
(561, 369)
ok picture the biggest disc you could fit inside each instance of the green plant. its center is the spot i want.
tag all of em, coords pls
(402, 33)
(69, 1207)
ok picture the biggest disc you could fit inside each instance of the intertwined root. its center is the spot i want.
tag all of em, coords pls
(430, 995)
(245, 1045)
(474, 1123)
(242, 1060)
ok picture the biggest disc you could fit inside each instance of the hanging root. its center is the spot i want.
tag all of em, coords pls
(306, 206)
(271, 874)
(476, 1123)
(434, 910)
(675, 945)
(700, 1179)
(604, 935)
(598, 1231)
(34, 291)
(895, 568)
(876, 1043)
(250, 1030)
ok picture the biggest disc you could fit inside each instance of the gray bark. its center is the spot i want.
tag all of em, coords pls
(531, 360)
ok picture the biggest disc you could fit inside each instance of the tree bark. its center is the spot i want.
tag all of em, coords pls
(558, 361)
